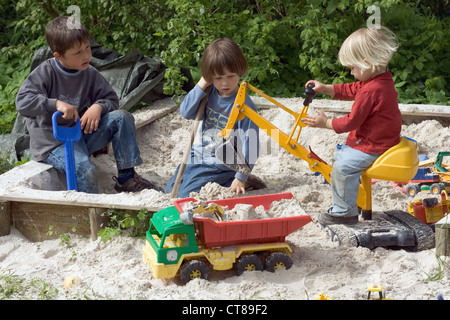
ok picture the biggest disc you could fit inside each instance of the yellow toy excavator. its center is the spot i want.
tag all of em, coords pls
(399, 163)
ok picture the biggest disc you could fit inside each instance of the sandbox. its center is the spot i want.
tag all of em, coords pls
(33, 196)
(115, 270)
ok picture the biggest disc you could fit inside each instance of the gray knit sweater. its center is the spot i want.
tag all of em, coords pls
(36, 100)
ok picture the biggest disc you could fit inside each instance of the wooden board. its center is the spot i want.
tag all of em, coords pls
(442, 236)
(5, 218)
(35, 221)
(33, 211)
(13, 187)
(158, 109)
(339, 106)
(405, 109)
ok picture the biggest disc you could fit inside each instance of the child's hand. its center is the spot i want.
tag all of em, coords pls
(91, 118)
(320, 121)
(319, 87)
(238, 186)
(68, 110)
(203, 84)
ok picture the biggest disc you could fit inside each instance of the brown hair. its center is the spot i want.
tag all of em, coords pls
(220, 55)
(62, 34)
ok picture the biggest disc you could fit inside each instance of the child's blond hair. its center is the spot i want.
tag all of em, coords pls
(368, 48)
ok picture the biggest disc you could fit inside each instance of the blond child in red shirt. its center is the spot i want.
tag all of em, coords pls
(374, 123)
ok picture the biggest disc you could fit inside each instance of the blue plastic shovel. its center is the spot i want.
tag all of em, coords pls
(68, 135)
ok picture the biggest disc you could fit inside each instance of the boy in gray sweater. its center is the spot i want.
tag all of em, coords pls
(67, 83)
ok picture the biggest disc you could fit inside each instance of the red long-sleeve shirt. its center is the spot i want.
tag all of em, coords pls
(375, 121)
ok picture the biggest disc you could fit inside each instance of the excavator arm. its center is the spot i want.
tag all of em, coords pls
(289, 142)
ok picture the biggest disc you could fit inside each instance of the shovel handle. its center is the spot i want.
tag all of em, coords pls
(68, 136)
(187, 152)
(71, 175)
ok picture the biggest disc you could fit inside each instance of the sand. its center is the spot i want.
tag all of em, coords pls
(115, 270)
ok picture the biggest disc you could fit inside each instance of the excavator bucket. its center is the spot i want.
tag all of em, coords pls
(231, 156)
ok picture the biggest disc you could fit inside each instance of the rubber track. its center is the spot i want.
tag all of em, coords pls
(424, 234)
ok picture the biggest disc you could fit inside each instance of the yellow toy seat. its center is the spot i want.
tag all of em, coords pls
(399, 163)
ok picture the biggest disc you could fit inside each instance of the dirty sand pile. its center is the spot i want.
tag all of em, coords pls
(243, 212)
(115, 270)
(278, 209)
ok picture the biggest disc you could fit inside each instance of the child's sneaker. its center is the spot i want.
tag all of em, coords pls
(326, 219)
(135, 184)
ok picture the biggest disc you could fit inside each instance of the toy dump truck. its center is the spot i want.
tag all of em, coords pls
(433, 176)
(174, 246)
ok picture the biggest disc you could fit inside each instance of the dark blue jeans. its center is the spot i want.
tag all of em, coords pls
(116, 127)
(197, 175)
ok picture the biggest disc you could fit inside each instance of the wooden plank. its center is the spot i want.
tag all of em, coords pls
(15, 186)
(50, 212)
(158, 109)
(339, 106)
(22, 173)
(405, 109)
(96, 221)
(61, 198)
(33, 211)
(5, 218)
(35, 220)
(442, 236)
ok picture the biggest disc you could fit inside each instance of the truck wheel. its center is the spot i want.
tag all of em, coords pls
(436, 188)
(278, 260)
(194, 269)
(413, 190)
(248, 262)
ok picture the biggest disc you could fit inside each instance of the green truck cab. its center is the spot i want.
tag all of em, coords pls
(170, 237)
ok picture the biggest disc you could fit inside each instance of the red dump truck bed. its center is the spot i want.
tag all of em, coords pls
(230, 233)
